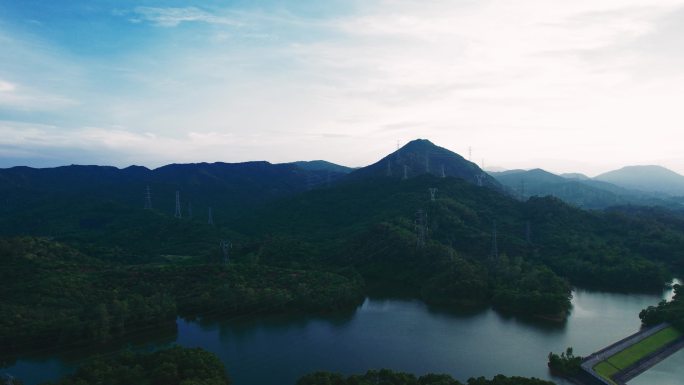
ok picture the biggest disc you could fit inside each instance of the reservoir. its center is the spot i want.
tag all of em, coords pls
(398, 334)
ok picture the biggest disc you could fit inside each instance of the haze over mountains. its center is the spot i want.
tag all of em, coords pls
(441, 231)
(636, 185)
(261, 181)
(233, 187)
(654, 179)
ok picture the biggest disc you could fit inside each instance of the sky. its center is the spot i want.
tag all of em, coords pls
(568, 86)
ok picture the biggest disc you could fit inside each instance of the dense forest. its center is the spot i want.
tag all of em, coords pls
(183, 366)
(566, 364)
(388, 377)
(82, 261)
(54, 295)
(174, 366)
(672, 311)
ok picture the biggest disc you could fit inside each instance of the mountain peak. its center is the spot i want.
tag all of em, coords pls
(418, 144)
(421, 156)
(649, 178)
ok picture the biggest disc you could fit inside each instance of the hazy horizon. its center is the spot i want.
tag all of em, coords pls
(465, 156)
(577, 86)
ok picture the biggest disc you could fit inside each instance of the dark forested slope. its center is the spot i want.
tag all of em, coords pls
(299, 247)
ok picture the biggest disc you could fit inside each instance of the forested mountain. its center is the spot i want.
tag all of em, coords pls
(575, 175)
(227, 188)
(420, 157)
(577, 190)
(322, 165)
(438, 237)
(654, 179)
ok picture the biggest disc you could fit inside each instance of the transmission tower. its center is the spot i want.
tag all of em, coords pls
(427, 163)
(405, 172)
(225, 249)
(470, 154)
(148, 199)
(421, 227)
(495, 242)
(309, 182)
(522, 189)
(433, 192)
(480, 179)
(443, 172)
(178, 213)
(9, 379)
(211, 218)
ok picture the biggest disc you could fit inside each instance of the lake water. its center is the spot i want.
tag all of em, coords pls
(397, 334)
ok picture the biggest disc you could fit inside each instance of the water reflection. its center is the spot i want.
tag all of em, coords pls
(400, 334)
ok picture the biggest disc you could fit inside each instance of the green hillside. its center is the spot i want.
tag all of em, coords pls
(301, 249)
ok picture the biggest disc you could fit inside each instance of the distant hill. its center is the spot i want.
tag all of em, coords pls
(530, 178)
(655, 179)
(228, 188)
(420, 157)
(322, 165)
(575, 175)
(585, 193)
(392, 232)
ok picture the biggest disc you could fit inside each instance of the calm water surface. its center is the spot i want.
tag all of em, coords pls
(403, 335)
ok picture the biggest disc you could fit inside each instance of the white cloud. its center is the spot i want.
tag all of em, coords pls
(6, 86)
(531, 83)
(172, 17)
(26, 99)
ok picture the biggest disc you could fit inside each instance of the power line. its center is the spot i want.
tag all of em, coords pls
(522, 189)
(433, 192)
(148, 199)
(225, 249)
(421, 227)
(178, 214)
(495, 242)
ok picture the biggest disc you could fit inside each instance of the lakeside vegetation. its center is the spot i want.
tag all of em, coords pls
(174, 366)
(185, 366)
(116, 271)
(54, 295)
(666, 311)
(565, 364)
(97, 266)
(387, 377)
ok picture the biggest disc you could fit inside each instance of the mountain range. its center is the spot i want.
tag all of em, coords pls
(653, 179)
(634, 185)
(89, 259)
